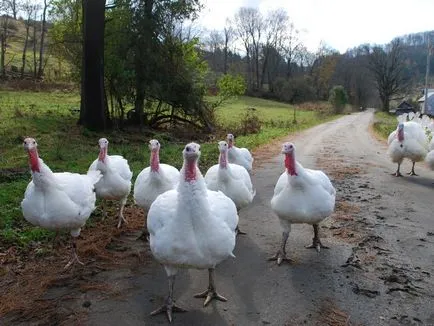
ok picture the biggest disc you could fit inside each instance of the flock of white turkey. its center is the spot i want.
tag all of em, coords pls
(413, 139)
(193, 220)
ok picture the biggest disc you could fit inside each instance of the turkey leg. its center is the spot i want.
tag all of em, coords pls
(170, 305)
(74, 257)
(397, 173)
(280, 256)
(121, 213)
(316, 241)
(412, 170)
(211, 292)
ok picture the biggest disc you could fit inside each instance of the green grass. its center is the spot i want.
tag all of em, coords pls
(384, 124)
(64, 146)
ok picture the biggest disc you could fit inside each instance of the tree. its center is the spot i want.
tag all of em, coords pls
(13, 6)
(93, 109)
(28, 8)
(275, 28)
(228, 33)
(338, 98)
(387, 66)
(249, 26)
(5, 33)
(42, 42)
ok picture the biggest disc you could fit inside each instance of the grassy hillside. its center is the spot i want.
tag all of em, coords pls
(55, 68)
(64, 146)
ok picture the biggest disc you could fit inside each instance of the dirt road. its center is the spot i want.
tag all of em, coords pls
(379, 270)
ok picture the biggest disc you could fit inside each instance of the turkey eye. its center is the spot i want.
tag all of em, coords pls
(187, 149)
(34, 143)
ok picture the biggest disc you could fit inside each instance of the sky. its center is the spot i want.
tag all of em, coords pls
(341, 24)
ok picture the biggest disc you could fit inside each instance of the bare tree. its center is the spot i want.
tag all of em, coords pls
(275, 28)
(249, 25)
(228, 33)
(13, 6)
(28, 7)
(387, 66)
(35, 43)
(43, 31)
(4, 34)
(292, 48)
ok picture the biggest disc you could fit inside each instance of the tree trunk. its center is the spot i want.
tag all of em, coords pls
(26, 41)
(93, 109)
(35, 42)
(41, 48)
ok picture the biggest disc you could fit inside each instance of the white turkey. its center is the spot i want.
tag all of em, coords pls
(231, 179)
(191, 227)
(116, 181)
(58, 201)
(407, 141)
(301, 196)
(155, 179)
(240, 156)
(429, 159)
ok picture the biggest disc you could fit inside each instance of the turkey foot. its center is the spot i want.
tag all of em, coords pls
(169, 307)
(121, 219)
(412, 171)
(74, 257)
(238, 231)
(397, 174)
(121, 213)
(280, 256)
(144, 236)
(316, 241)
(211, 292)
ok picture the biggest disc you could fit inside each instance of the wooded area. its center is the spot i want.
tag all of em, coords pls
(144, 62)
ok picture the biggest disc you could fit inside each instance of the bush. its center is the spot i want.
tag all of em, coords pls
(338, 98)
(295, 90)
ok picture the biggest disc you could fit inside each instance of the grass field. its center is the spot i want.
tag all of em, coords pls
(64, 146)
(384, 124)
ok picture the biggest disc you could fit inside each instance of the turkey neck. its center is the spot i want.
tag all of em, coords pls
(34, 160)
(102, 154)
(223, 160)
(290, 164)
(230, 143)
(155, 161)
(190, 166)
(400, 135)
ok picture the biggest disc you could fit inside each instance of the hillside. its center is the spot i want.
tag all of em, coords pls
(55, 67)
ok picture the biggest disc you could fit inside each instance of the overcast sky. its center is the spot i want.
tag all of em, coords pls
(342, 24)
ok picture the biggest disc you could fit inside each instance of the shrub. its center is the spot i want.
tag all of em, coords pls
(338, 98)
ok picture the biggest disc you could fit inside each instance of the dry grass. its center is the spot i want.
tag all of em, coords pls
(26, 279)
(331, 315)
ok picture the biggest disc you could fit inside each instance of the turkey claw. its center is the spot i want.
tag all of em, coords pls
(144, 237)
(317, 245)
(72, 261)
(238, 231)
(210, 294)
(280, 256)
(168, 308)
(397, 174)
(121, 219)
(412, 173)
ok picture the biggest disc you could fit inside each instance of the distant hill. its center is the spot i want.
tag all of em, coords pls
(55, 68)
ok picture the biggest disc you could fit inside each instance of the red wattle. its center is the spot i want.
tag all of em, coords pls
(34, 160)
(290, 164)
(190, 171)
